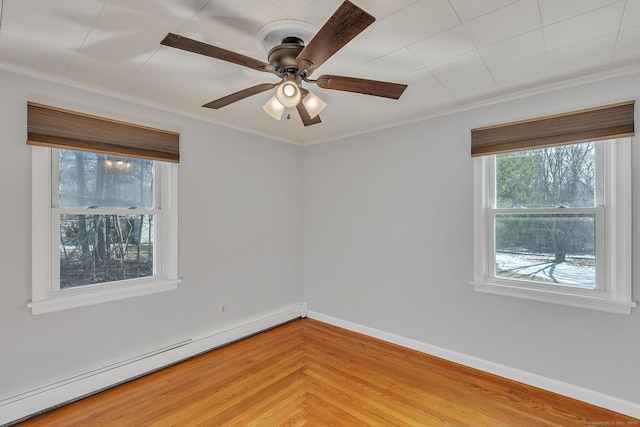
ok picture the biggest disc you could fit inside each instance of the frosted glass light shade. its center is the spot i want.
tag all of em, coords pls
(288, 94)
(274, 108)
(313, 104)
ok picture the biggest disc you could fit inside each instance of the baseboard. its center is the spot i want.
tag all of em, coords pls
(33, 401)
(585, 395)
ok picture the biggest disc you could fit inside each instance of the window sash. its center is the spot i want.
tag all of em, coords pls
(600, 160)
(55, 185)
(600, 237)
(57, 213)
(598, 210)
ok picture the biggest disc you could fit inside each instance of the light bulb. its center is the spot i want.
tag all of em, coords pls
(289, 90)
(288, 93)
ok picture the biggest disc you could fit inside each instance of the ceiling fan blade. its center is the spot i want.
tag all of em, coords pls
(190, 45)
(364, 86)
(240, 95)
(346, 23)
(304, 115)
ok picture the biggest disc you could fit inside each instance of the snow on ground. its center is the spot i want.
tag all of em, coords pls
(576, 271)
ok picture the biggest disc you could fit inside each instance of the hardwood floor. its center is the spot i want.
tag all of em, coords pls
(307, 373)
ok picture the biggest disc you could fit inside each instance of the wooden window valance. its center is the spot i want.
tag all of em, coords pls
(57, 128)
(607, 122)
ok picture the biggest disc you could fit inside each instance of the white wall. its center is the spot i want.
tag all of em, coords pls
(388, 244)
(240, 242)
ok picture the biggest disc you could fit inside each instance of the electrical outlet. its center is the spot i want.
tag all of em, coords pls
(223, 308)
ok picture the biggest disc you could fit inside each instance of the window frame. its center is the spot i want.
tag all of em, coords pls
(613, 236)
(45, 216)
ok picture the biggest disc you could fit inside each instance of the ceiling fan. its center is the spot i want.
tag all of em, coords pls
(293, 62)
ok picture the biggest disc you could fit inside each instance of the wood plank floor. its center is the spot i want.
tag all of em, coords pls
(308, 373)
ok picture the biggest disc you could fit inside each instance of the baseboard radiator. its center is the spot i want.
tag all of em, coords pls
(17, 407)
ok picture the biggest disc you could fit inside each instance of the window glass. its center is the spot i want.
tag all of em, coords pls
(105, 248)
(550, 248)
(105, 181)
(535, 239)
(106, 218)
(552, 177)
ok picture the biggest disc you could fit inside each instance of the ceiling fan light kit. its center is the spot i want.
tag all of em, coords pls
(312, 103)
(288, 92)
(274, 108)
(293, 62)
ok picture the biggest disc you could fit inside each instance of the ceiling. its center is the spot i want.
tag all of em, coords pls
(450, 53)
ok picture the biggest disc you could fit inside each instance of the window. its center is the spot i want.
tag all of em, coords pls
(543, 215)
(553, 224)
(104, 210)
(104, 225)
(552, 208)
(103, 228)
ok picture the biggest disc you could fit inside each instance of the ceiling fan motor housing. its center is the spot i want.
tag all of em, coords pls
(283, 56)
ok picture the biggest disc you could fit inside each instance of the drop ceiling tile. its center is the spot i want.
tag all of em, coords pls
(631, 16)
(229, 82)
(374, 42)
(217, 33)
(143, 16)
(42, 29)
(520, 75)
(292, 7)
(167, 71)
(153, 87)
(626, 51)
(180, 62)
(42, 58)
(355, 113)
(176, 9)
(514, 49)
(553, 11)
(318, 12)
(232, 25)
(456, 68)
(589, 26)
(234, 34)
(202, 89)
(426, 91)
(389, 67)
(510, 21)
(127, 32)
(382, 8)
(79, 13)
(473, 87)
(242, 10)
(420, 20)
(100, 73)
(126, 48)
(579, 60)
(470, 9)
(445, 45)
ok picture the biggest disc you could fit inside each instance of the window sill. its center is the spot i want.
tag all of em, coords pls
(599, 302)
(97, 294)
